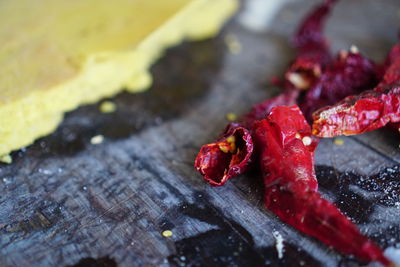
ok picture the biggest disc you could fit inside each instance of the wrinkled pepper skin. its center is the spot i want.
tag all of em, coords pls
(368, 111)
(284, 141)
(312, 48)
(391, 57)
(217, 166)
(350, 73)
(261, 110)
(228, 157)
(286, 155)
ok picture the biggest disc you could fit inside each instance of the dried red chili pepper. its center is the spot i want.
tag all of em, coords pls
(349, 74)
(261, 110)
(215, 162)
(286, 149)
(368, 111)
(231, 155)
(312, 48)
(391, 57)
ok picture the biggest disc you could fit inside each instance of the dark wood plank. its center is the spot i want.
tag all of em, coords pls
(64, 199)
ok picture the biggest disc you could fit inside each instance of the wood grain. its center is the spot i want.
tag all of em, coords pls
(64, 199)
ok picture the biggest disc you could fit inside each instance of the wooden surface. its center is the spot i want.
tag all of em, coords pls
(64, 199)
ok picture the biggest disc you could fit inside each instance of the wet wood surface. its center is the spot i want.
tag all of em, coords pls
(64, 199)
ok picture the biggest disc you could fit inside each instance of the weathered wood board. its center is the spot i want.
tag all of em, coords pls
(64, 199)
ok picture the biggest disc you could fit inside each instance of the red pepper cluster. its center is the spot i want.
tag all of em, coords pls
(347, 94)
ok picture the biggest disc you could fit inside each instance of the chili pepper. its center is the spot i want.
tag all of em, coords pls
(349, 74)
(367, 111)
(393, 54)
(259, 111)
(231, 155)
(215, 161)
(286, 154)
(312, 48)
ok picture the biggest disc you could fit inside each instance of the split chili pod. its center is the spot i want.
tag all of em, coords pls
(231, 155)
(228, 157)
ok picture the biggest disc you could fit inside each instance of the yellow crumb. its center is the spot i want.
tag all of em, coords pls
(167, 233)
(98, 139)
(338, 141)
(6, 159)
(231, 116)
(107, 107)
(233, 44)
